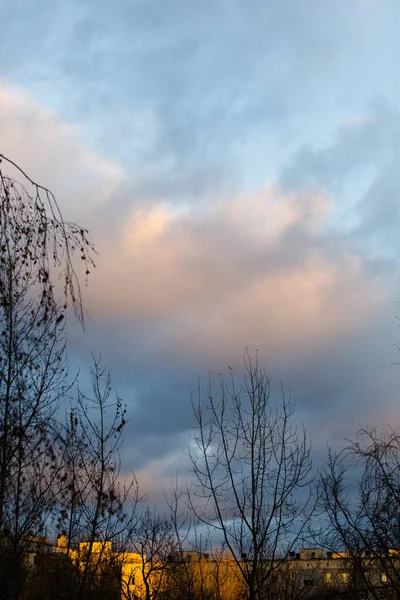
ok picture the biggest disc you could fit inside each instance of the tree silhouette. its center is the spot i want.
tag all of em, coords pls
(250, 465)
(37, 249)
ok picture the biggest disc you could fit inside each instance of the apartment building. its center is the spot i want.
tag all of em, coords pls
(310, 573)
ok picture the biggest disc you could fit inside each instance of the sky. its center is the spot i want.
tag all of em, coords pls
(237, 164)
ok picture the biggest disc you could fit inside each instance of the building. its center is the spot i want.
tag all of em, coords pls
(310, 573)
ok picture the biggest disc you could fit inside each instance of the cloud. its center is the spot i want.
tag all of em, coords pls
(181, 290)
(178, 93)
(52, 153)
(239, 178)
(361, 142)
(248, 261)
(184, 292)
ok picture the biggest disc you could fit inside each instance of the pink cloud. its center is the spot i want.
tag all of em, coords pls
(53, 153)
(236, 274)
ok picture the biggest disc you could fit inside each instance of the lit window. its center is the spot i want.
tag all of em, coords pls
(384, 578)
(345, 577)
(328, 577)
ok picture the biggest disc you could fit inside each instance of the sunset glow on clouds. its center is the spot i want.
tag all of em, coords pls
(237, 165)
(52, 152)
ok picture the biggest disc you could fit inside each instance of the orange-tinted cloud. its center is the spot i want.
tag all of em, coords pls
(181, 289)
(250, 270)
(53, 154)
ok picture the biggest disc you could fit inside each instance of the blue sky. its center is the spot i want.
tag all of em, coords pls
(237, 165)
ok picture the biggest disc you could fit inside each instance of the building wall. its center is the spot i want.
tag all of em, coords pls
(304, 575)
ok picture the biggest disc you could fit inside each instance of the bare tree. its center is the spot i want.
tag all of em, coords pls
(181, 578)
(360, 500)
(153, 541)
(251, 468)
(95, 507)
(34, 233)
(36, 249)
